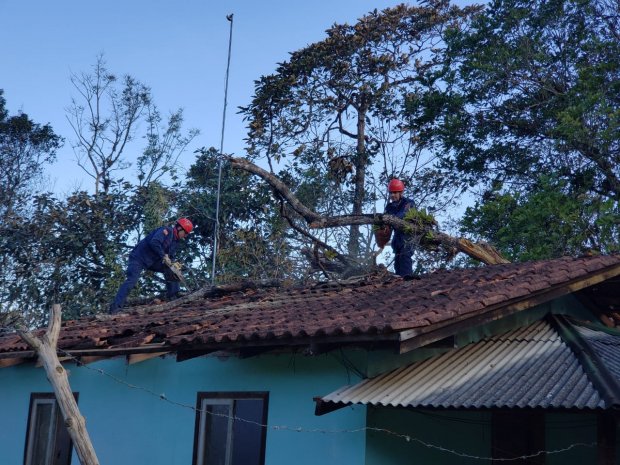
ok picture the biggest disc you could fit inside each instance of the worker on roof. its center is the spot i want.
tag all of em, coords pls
(398, 205)
(155, 252)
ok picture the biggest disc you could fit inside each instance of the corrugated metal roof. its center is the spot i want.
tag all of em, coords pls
(527, 367)
(606, 346)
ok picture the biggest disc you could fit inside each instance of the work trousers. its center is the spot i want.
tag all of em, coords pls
(134, 270)
(403, 265)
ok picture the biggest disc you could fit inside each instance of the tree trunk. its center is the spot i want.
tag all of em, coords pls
(482, 251)
(361, 160)
(57, 376)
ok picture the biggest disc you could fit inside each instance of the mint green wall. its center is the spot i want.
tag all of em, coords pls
(564, 429)
(130, 426)
(469, 433)
(466, 433)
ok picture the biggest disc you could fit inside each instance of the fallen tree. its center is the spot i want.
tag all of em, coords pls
(426, 232)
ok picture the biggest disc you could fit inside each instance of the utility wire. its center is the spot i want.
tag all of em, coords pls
(216, 230)
(300, 429)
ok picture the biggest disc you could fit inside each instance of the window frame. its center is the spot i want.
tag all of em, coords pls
(228, 398)
(47, 398)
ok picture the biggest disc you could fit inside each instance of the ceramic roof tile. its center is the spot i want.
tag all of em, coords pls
(376, 305)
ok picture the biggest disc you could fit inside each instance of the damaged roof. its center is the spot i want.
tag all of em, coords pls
(375, 310)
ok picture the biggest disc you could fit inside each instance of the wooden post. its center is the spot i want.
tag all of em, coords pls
(57, 376)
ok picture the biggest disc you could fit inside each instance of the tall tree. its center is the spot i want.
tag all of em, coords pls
(334, 108)
(536, 96)
(104, 119)
(26, 148)
(73, 250)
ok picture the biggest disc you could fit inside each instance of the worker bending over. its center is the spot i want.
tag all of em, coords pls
(155, 252)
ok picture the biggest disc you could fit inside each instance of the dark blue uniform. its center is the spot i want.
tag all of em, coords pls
(148, 254)
(403, 249)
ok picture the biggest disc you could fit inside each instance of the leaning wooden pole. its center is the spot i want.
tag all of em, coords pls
(57, 376)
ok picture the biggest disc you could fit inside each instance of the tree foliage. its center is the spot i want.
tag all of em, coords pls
(73, 250)
(544, 222)
(517, 102)
(334, 108)
(26, 148)
(536, 96)
(252, 237)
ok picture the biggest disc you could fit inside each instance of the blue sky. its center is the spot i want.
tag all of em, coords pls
(177, 48)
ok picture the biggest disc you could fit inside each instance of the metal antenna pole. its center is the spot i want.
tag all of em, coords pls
(221, 154)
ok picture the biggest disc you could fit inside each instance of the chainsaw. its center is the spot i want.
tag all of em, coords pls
(175, 273)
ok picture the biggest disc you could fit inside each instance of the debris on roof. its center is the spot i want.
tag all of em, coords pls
(373, 310)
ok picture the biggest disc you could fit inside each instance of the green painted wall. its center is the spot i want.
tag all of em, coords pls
(468, 433)
(566, 429)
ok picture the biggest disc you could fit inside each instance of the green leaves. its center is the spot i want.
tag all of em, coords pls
(356, 108)
(538, 86)
(548, 221)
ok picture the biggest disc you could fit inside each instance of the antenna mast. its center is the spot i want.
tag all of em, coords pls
(216, 230)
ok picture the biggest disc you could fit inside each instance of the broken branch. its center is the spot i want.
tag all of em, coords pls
(482, 251)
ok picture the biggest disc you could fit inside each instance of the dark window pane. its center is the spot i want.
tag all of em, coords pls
(47, 441)
(248, 435)
(229, 428)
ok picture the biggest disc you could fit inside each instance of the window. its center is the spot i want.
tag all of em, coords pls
(230, 428)
(47, 440)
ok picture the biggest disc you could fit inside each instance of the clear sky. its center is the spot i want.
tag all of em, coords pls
(178, 48)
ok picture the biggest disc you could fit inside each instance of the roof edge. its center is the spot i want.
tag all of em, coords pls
(592, 364)
(419, 337)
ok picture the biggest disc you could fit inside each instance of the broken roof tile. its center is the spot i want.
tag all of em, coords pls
(374, 305)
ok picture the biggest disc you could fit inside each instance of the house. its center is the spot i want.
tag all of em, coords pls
(457, 366)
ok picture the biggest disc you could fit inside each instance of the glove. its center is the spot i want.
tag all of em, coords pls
(166, 261)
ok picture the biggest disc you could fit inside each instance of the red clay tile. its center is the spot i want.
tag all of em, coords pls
(370, 306)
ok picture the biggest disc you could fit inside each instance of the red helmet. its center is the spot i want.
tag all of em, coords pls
(185, 224)
(396, 185)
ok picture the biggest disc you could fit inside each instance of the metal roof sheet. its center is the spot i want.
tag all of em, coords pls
(527, 367)
(606, 346)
